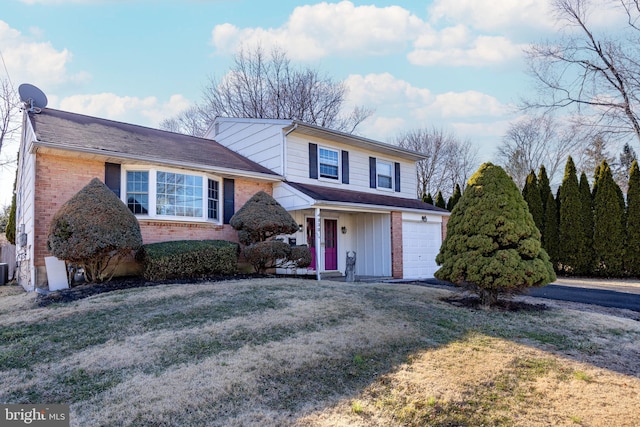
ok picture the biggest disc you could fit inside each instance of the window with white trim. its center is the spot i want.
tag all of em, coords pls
(328, 161)
(384, 171)
(172, 195)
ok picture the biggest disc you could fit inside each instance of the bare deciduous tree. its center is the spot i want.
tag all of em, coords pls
(9, 122)
(594, 74)
(535, 141)
(269, 86)
(449, 161)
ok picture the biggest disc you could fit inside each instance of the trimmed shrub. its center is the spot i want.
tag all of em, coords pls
(264, 255)
(94, 230)
(262, 218)
(492, 245)
(300, 257)
(188, 259)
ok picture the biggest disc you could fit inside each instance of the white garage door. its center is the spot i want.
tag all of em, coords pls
(420, 245)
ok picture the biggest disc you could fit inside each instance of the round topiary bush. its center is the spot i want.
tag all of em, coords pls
(492, 245)
(94, 229)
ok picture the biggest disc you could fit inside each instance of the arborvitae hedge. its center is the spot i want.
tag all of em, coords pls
(544, 186)
(632, 246)
(609, 228)
(428, 199)
(492, 243)
(550, 241)
(440, 203)
(586, 259)
(454, 199)
(572, 238)
(531, 194)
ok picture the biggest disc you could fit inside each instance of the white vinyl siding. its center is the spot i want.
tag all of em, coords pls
(372, 236)
(298, 168)
(260, 142)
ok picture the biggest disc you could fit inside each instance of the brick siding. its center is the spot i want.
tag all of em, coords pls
(397, 265)
(61, 177)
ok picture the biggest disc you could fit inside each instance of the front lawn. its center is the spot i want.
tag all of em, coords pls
(296, 352)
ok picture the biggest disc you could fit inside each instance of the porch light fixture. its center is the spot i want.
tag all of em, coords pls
(300, 228)
(344, 230)
(424, 218)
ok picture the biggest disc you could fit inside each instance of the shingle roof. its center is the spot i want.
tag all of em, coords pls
(331, 194)
(77, 132)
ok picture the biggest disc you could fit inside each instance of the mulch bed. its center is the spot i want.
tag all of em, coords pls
(88, 289)
(502, 304)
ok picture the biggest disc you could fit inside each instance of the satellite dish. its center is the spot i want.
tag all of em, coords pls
(33, 98)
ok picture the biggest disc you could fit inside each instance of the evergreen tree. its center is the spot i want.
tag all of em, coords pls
(550, 241)
(609, 229)
(531, 194)
(10, 228)
(632, 247)
(454, 199)
(544, 186)
(492, 244)
(585, 266)
(440, 203)
(572, 238)
(428, 199)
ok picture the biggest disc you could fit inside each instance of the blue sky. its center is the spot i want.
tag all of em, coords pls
(456, 65)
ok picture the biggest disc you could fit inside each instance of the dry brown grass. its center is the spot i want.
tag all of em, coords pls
(297, 352)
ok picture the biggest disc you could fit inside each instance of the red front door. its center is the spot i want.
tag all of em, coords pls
(330, 244)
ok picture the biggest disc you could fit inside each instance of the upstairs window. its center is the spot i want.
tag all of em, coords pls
(384, 172)
(328, 160)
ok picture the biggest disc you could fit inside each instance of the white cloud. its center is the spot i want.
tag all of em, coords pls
(34, 62)
(147, 111)
(456, 48)
(314, 31)
(385, 90)
(489, 15)
(400, 106)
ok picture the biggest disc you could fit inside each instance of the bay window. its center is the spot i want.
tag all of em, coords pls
(168, 194)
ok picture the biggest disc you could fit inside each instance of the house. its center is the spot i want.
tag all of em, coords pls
(347, 193)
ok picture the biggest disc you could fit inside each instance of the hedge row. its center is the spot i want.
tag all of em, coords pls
(184, 259)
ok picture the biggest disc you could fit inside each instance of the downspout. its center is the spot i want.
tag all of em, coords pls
(318, 251)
